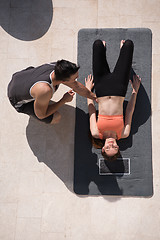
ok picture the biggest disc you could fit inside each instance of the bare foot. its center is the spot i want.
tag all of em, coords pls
(104, 43)
(121, 43)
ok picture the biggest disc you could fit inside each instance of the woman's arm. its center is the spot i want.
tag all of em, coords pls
(131, 106)
(128, 116)
(91, 109)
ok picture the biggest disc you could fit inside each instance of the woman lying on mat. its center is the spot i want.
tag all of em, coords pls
(111, 89)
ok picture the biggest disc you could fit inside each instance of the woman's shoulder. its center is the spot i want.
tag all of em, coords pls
(95, 135)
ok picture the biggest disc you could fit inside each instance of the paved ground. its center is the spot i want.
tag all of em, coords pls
(36, 161)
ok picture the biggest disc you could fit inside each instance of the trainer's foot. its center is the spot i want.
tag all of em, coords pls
(121, 43)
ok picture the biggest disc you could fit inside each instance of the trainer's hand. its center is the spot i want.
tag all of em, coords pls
(89, 82)
(68, 96)
(136, 83)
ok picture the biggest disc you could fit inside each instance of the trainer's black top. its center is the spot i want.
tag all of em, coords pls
(19, 88)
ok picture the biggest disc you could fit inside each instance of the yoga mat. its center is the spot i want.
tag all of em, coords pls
(137, 148)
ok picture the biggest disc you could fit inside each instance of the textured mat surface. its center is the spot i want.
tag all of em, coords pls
(138, 146)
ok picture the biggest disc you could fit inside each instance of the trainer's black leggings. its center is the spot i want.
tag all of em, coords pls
(115, 83)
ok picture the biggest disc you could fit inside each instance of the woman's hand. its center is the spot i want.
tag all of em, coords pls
(136, 83)
(89, 82)
(68, 96)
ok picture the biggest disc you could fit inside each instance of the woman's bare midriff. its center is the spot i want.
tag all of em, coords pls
(111, 105)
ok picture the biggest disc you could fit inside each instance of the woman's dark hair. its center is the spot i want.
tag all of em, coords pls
(111, 158)
(99, 143)
(64, 69)
(96, 142)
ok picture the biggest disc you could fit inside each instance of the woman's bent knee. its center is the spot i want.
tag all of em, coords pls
(129, 42)
(98, 42)
(56, 118)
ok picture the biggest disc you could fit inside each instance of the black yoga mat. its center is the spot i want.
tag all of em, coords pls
(134, 176)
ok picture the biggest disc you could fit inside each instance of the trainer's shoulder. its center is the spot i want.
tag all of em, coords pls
(42, 89)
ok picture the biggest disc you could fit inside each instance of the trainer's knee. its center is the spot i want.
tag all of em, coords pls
(56, 118)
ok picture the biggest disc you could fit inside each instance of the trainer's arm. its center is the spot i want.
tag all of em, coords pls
(81, 90)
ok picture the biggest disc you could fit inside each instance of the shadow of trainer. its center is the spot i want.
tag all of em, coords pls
(52, 144)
